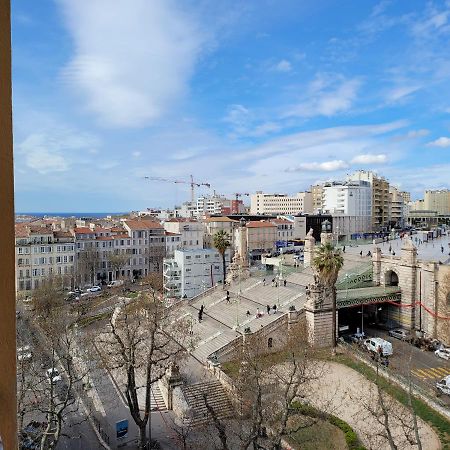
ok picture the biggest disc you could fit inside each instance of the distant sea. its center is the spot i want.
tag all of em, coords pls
(70, 214)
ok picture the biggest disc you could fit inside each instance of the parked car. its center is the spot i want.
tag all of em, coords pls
(443, 386)
(398, 333)
(53, 375)
(374, 344)
(443, 353)
(94, 289)
(357, 338)
(115, 283)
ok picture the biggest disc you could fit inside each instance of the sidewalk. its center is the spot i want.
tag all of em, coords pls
(342, 389)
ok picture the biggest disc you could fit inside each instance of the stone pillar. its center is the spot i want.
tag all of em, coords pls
(169, 382)
(326, 237)
(376, 265)
(308, 254)
(319, 315)
(408, 282)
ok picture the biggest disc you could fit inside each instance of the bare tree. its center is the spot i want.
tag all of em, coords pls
(267, 386)
(143, 339)
(88, 262)
(117, 262)
(48, 377)
(396, 427)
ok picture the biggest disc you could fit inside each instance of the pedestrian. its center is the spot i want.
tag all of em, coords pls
(390, 248)
(360, 253)
(268, 309)
(257, 313)
(264, 281)
(343, 249)
(442, 249)
(276, 283)
(284, 282)
(248, 313)
(274, 307)
(228, 297)
(200, 315)
(393, 253)
(273, 282)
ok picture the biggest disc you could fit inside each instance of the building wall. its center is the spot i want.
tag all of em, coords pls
(191, 232)
(350, 198)
(193, 271)
(273, 204)
(438, 201)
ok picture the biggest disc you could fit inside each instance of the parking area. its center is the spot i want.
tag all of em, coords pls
(424, 366)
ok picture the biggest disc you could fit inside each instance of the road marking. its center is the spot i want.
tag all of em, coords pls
(431, 372)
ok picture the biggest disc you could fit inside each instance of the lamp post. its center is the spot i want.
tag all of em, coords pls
(362, 318)
(238, 297)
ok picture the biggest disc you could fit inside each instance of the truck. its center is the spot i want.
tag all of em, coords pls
(373, 345)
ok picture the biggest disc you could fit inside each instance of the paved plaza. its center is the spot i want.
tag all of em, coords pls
(426, 251)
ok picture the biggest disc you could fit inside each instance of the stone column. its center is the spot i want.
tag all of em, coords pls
(376, 265)
(326, 237)
(308, 254)
(319, 315)
(168, 383)
(408, 282)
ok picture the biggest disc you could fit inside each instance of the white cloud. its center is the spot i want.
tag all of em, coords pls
(369, 159)
(131, 64)
(55, 150)
(283, 66)
(327, 166)
(440, 142)
(136, 154)
(327, 97)
(401, 92)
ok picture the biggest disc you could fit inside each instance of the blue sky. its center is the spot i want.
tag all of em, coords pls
(269, 95)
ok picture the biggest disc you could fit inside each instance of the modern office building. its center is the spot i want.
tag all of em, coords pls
(437, 200)
(280, 204)
(380, 198)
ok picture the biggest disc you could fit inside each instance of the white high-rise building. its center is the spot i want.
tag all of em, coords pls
(280, 204)
(352, 198)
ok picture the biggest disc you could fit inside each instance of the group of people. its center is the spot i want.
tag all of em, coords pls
(259, 313)
(274, 282)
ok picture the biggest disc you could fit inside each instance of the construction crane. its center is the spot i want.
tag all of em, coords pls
(192, 183)
(237, 195)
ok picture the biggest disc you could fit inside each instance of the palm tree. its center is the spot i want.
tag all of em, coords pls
(328, 261)
(221, 242)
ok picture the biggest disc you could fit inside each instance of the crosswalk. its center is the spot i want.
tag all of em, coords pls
(431, 372)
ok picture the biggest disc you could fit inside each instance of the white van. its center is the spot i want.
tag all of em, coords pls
(373, 345)
(115, 283)
(443, 386)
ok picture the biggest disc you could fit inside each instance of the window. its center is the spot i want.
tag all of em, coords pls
(20, 250)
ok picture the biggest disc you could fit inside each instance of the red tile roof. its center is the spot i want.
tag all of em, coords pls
(260, 224)
(142, 224)
(83, 230)
(282, 221)
(181, 219)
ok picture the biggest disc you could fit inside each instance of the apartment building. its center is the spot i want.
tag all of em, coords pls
(191, 232)
(280, 204)
(437, 200)
(351, 198)
(396, 217)
(380, 197)
(148, 246)
(41, 253)
(214, 224)
(173, 242)
(190, 272)
(261, 237)
(317, 197)
(285, 229)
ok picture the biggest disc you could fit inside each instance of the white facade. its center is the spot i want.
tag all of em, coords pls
(274, 204)
(190, 272)
(42, 253)
(190, 230)
(173, 242)
(348, 198)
